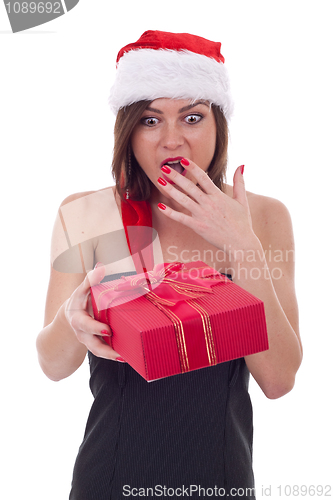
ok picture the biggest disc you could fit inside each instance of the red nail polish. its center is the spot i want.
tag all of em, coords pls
(184, 162)
(166, 169)
(242, 169)
(105, 332)
(161, 206)
(120, 359)
(162, 181)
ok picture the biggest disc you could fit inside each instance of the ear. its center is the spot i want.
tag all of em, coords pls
(239, 192)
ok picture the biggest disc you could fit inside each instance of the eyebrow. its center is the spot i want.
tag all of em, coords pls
(181, 110)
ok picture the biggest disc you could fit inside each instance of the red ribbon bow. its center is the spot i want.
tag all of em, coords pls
(167, 284)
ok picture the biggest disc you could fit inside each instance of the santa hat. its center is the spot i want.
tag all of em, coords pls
(171, 65)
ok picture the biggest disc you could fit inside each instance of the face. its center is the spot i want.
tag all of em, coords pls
(171, 129)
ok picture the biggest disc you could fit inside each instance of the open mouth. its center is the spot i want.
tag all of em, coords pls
(176, 165)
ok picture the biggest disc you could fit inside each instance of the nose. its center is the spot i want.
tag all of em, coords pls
(172, 137)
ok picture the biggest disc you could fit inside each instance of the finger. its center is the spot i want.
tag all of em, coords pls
(81, 321)
(80, 296)
(187, 220)
(239, 192)
(189, 185)
(98, 347)
(95, 276)
(183, 198)
(200, 176)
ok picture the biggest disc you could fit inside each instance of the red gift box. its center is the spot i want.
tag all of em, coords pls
(178, 318)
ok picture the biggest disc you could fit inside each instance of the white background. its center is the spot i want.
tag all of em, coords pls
(57, 138)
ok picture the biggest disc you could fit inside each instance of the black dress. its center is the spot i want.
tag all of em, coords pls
(188, 435)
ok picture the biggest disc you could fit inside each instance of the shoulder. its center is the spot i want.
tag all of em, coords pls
(90, 212)
(272, 224)
(271, 220)
(84, 217)
(86, 196)
(75, 196)
(89, 206)
(267, 211)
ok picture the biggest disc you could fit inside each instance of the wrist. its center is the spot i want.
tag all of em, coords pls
(247, 252)
(62, 320)
(61, 315)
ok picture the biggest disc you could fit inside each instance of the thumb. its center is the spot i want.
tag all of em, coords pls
(239, 192)
(81, 294)
(94, 276)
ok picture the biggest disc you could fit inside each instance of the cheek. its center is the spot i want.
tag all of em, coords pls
(141, 146)
(206, 151)
(206, 144)
(211, 140)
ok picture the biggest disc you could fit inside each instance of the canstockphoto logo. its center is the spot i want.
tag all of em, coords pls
(25, 15)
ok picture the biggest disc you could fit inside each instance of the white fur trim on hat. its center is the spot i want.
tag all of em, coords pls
(149, 74)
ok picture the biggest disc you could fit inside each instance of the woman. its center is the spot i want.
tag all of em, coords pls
(190, 434)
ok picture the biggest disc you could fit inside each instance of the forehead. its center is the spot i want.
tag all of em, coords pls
(176, 105)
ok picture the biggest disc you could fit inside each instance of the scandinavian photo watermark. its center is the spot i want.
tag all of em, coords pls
(246, 264)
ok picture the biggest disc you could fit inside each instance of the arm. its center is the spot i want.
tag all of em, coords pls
(269, 275)
(59, 351)
(69, 330)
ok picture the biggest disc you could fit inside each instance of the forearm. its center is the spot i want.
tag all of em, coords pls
(59, 352)
(274, 369)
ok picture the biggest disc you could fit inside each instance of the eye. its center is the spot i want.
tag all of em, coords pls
(149, 121)
(193, 118)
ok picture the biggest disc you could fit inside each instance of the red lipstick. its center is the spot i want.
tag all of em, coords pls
(174, 164)
(177, 158)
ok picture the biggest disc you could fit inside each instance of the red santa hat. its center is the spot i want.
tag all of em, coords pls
(171, 65)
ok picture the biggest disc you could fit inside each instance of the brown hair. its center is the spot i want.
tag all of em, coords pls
(137, 183)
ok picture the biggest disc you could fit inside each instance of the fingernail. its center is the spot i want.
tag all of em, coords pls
(166, 169)
(184, 162)
(242, 169)
(98, 264)
(161, 206)
(105, 332)
(121, 360)
(161, 181)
